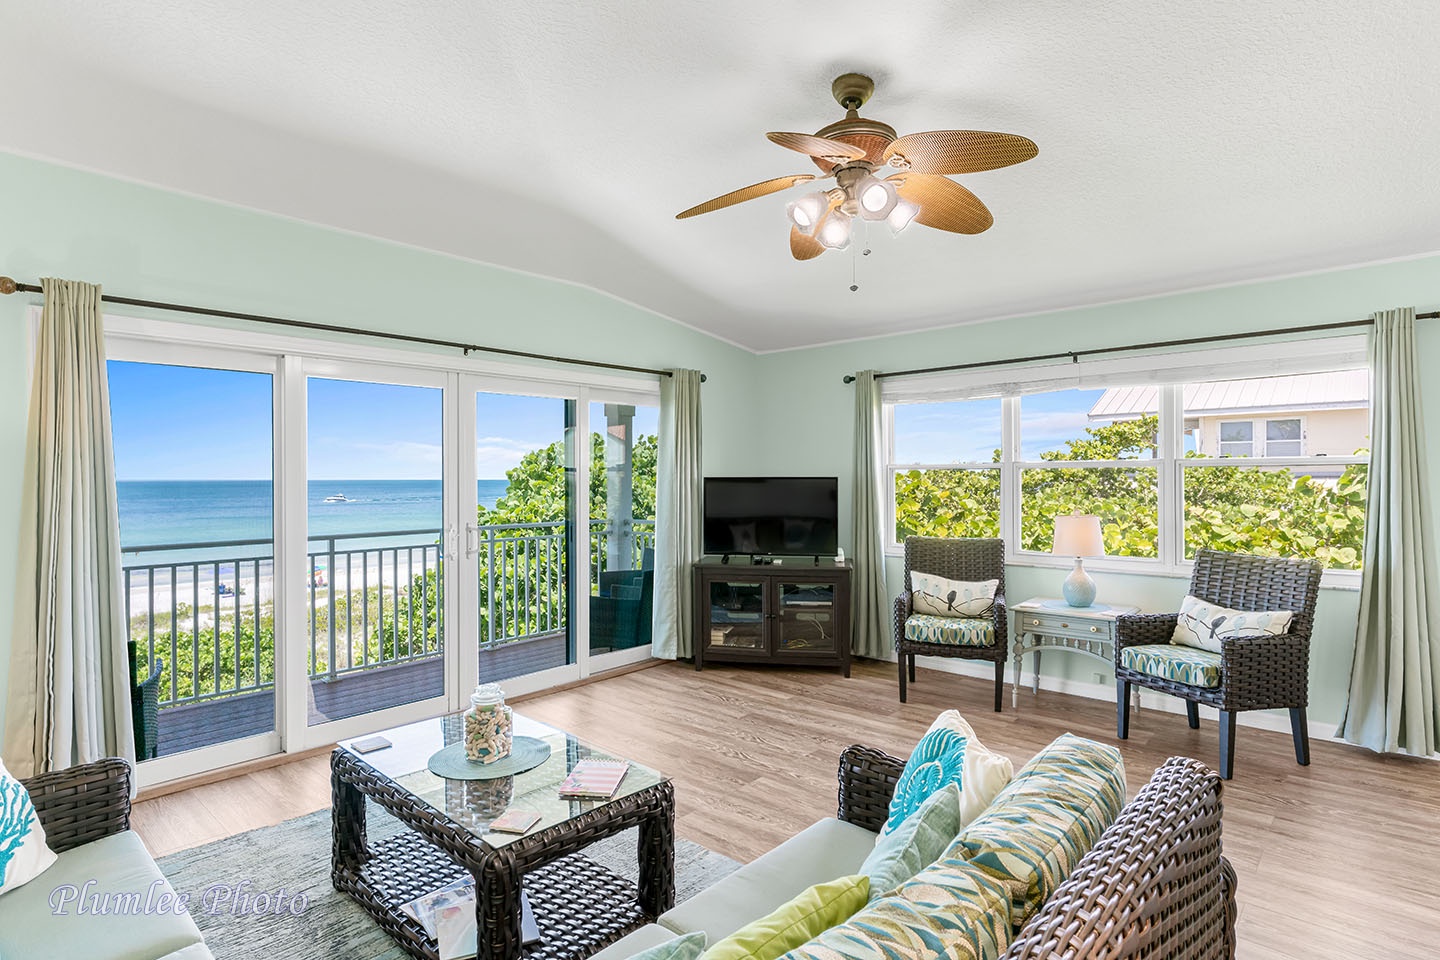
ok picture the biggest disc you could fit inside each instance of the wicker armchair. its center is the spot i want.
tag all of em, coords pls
(955, 559)
(1155, 885)
(145, 706)
(1256, 673)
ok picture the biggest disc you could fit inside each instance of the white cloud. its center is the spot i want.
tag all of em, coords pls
(495, 455)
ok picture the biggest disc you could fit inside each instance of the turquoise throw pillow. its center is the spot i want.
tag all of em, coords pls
(938, 759)
(915, 844)
(687, 947)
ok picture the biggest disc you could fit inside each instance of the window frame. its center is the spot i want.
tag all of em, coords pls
(1170, 462)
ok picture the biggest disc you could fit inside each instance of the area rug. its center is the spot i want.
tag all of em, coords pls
(291, 860)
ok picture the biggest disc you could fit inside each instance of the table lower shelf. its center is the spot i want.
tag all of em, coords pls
(580, 907)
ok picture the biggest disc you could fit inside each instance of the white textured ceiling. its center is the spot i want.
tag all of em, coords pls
(1181, 143)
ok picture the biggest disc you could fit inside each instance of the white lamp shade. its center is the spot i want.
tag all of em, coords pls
(1078, 535)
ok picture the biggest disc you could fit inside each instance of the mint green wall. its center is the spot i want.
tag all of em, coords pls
(148, 243)
(817, 438)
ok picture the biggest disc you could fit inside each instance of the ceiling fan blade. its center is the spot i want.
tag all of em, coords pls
(764, 188)
(817, 146)
(944, 204)
(803, 246)
(959, 151)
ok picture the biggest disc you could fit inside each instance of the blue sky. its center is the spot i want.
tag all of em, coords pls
(186, 423)
(969, 430)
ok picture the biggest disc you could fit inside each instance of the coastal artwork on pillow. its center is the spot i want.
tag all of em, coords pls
(1205, 625)
(23, 853)
(940, 597)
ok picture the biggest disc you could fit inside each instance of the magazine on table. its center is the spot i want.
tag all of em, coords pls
(594, 779)
(448, 916)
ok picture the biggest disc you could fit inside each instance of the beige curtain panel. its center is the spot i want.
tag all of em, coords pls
(678, 492)
(1392, 705)
(69, 692)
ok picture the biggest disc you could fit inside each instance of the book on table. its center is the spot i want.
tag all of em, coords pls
(448, 916)
(594, 779)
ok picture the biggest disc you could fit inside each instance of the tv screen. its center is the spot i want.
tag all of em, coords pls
(778, 516)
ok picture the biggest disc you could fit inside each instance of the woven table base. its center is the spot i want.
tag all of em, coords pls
(580, 907)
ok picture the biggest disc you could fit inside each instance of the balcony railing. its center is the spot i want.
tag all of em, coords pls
(373, 600)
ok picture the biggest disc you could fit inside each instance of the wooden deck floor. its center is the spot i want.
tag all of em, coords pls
(194, 725)
(1334, 859)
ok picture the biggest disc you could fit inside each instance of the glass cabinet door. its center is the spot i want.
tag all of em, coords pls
(806, 619)
(737, 615)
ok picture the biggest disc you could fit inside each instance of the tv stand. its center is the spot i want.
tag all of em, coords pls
(773, 613)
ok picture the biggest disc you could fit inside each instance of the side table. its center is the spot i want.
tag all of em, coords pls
(1045, 623)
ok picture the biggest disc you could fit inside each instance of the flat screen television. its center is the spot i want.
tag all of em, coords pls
(772, 516)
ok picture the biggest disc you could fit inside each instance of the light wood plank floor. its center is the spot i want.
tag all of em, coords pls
(1334, 859)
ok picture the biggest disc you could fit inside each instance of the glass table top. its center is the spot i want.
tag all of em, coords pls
(475, 804)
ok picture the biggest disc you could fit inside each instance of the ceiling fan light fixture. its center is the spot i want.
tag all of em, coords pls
(900, 216)
(834, 233)
(877, 198)
(806, 212)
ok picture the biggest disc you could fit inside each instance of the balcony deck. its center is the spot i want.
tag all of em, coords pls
(194, 725)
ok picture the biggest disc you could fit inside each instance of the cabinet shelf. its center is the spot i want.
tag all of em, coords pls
(782, 614)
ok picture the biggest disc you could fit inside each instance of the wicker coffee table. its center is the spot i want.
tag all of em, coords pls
(580, 907)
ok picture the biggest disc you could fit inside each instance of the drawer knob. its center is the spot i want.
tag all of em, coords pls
(1034, 623)
(1064, 626)
(1094, 629)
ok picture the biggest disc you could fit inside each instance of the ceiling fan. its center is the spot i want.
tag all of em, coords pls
(853, 149)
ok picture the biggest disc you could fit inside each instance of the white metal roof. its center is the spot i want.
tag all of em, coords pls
(1308, 391)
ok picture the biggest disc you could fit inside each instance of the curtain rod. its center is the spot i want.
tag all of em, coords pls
(1075, 355)
(8, 286)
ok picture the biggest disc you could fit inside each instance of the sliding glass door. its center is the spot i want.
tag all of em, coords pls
(520, 545)
(374, 573)
(194, 463)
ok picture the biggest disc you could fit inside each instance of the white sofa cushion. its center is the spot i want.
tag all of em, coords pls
(821, 852)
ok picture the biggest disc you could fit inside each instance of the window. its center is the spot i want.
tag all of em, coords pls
(1237, 438)
(1155, 461)
(1102, 455)
(945, 472)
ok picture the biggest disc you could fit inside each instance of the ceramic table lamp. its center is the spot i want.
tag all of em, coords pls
(1078, 536)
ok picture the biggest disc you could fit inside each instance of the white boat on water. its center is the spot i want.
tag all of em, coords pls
(337, 498)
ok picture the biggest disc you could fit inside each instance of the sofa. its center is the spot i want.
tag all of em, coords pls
(1154, 884)
(85, 811)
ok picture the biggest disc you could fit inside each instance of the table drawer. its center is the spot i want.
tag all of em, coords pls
(1055, 624)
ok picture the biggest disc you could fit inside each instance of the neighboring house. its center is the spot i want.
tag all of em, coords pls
(1310, 415)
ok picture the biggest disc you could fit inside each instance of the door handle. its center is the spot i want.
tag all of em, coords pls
(472, 540)
(452, 539)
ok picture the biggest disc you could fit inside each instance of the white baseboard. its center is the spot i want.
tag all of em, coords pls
(1275, 720)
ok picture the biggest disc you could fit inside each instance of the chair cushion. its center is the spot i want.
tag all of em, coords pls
(1202, 624)
(1188, 665)
(793, 923)
(955, 631)
(952, 598)
(119, 865)
(954, 910)
(1049, 817)
(915, 844)
(822, 851)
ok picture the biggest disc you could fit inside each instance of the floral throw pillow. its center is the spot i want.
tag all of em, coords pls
(940, 597)
(1204, 625)
(23, 853)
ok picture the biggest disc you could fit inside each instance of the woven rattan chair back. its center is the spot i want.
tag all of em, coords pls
(1242, 581)
(972, 559)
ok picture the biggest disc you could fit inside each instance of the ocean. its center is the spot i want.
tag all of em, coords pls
(154, 512)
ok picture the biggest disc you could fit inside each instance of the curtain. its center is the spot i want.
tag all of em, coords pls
(870, 598)
(677, 513)
(69, 693)
(1392, 705)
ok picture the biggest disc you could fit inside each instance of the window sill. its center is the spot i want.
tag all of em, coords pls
(1343, 580)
